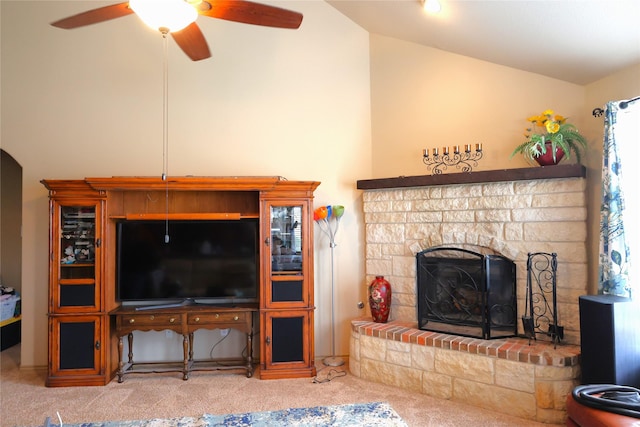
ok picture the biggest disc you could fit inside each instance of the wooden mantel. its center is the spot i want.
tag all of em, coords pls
(521, 174)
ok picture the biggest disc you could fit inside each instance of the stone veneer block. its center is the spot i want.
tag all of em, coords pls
(423, 358)
(465, 365)
(387, 373)
(510, 402)
(516, 376)
(437, 385)
(398, 353)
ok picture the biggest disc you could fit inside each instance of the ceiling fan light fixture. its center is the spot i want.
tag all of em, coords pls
(164, 15)
(431, 6)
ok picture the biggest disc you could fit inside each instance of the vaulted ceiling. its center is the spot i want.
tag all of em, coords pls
(579, 41)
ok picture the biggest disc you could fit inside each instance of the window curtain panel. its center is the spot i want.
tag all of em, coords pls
(614, 250)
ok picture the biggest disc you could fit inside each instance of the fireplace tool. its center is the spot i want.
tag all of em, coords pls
(527, 318)
(541, 306)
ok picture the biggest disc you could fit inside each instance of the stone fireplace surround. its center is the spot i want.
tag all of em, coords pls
(513, 212)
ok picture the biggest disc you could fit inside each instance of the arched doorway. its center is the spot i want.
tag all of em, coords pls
(10, 238)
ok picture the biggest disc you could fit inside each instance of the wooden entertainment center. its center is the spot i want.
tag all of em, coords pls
(87, 324)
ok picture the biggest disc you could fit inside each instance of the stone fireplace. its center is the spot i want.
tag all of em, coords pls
(510, 213)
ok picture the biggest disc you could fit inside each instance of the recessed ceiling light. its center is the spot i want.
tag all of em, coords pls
(431, 6)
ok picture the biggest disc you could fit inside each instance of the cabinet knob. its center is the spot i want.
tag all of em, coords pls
(217, 315)
(132, 320)
(235, 317)
(152, 317)
(172, 320)
(197, 319)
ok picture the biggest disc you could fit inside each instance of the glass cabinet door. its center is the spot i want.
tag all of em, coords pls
(77, 266)
(287, 258)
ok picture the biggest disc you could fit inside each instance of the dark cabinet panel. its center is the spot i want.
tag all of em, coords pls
(287, 339)
(77, 341)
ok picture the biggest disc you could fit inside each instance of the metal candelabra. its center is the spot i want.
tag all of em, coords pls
(463, 160)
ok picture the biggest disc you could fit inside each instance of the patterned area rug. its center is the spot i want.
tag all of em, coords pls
(354, 415)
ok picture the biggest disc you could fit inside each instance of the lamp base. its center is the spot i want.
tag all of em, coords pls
(333, 361)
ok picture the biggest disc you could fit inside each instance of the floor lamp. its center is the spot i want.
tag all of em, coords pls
(322, 216)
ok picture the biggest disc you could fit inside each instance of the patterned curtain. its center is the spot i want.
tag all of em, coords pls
(615, 253)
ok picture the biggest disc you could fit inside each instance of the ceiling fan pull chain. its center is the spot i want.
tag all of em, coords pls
(165, 106)
(165, 130)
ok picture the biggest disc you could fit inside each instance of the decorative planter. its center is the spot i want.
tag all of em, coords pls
(380, 299)
(547, 158)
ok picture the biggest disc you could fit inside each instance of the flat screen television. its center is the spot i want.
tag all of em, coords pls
(214, 261)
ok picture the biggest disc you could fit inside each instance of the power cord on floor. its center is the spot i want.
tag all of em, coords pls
(333, 373)
(47, 421)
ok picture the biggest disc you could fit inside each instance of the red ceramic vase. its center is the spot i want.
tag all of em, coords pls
(547, 158)
(380, 299)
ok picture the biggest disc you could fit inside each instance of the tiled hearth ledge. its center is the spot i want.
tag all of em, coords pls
(510, 376)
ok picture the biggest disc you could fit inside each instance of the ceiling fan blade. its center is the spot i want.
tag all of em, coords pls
(192, 42)
(250, 13)
(94, 16)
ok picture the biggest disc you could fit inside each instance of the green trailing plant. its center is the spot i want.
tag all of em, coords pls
(549, 131)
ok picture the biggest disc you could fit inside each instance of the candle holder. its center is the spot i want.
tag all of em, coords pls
(452, 156)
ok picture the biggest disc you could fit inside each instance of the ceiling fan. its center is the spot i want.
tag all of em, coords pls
(190, 39)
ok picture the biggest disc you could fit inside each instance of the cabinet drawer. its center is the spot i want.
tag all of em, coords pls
(212, 318)
(150, 319)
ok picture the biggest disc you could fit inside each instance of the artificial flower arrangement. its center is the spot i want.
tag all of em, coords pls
(550, 131)
(323, 214)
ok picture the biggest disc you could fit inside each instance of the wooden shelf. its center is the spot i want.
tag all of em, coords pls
(10, 321)
(183, 216)
(521, 174)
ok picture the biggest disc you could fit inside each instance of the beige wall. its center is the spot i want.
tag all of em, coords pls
(88, 102)
(424, 98)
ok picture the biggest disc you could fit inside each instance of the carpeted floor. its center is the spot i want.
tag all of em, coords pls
(25, 401)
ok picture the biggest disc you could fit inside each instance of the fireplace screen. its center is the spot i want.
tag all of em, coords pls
(465, 293)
